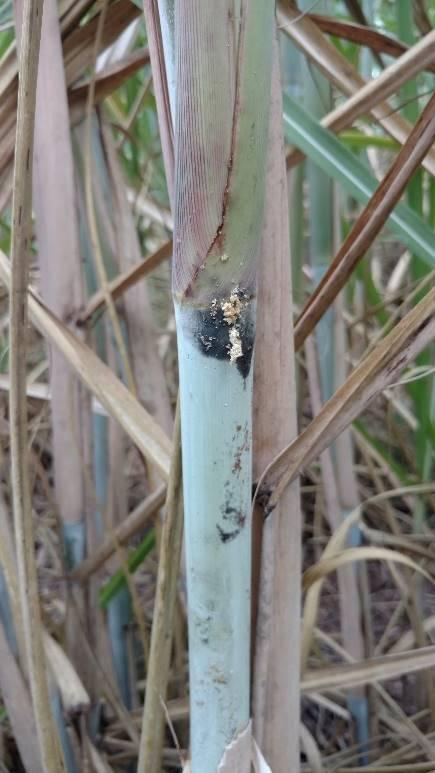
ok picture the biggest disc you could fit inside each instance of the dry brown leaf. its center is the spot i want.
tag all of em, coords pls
(127, 279)
(373, 670)
(364, 96)
(369, 222)
(360, 34)
(379, 369)
(106, 387)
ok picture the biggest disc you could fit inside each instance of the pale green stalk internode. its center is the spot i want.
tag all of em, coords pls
(223, 55)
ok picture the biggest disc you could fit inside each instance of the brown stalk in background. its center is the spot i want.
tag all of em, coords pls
(62, 287)
(355, 10)
(421, 16)
(277, 557)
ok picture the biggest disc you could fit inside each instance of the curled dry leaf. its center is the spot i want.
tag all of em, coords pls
(370, 553)
(75, 698)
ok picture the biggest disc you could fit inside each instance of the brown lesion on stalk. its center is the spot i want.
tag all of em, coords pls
(217, 239)
(214, 268)
(217, 243)
(244, 446)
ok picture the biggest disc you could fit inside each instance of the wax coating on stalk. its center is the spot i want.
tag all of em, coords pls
(217, 465)
(226, 329)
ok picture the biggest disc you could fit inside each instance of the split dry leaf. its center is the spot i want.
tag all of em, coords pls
(258, 761)
(75, 698)
(311, 750)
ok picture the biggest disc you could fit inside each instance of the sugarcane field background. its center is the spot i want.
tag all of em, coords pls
(217, 386)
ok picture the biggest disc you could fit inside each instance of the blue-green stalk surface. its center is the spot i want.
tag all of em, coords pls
(222, 88)
(217, 458)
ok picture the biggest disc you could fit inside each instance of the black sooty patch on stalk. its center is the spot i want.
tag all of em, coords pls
(234, 521)
(227, 536)
(212, 334)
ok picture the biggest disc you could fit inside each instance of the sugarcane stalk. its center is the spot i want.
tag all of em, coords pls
(223, 76)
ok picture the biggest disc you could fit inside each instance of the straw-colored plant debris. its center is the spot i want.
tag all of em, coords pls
(217, 386)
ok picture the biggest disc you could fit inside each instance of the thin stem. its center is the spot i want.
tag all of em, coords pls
(126, 279)
(101, 270)
(163, 616)
(21, 235)
(124, 532)
(91, 214)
